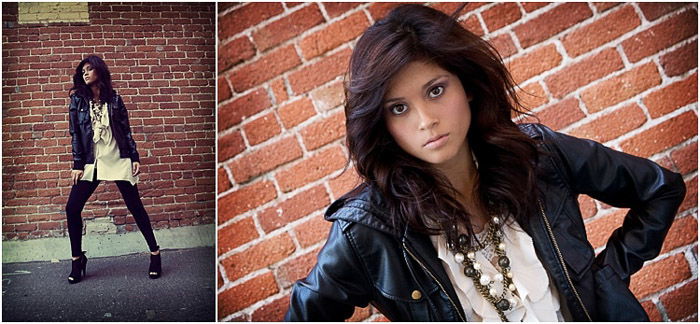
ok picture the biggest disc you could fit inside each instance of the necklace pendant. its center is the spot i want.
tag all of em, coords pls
(503, 304)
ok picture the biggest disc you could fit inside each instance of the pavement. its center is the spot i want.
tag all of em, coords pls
(115, 289)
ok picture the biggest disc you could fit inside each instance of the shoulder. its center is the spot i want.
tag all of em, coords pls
(362, 206)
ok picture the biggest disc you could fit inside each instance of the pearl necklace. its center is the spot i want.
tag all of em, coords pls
(486, 285)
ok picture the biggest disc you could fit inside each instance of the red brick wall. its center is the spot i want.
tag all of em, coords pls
(162, 62)
(622, 74)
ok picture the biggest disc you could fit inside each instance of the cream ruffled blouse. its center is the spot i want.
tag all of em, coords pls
(538, 299)
(111, 165)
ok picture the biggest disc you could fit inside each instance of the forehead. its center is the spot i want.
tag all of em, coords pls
(414, 76)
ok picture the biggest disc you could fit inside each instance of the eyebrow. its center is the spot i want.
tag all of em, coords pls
(426, 85)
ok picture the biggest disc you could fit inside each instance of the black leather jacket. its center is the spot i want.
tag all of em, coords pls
(367, 260)
(80, 127)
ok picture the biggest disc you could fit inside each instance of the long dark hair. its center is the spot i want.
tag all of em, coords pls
(104, 81)
(414, 192)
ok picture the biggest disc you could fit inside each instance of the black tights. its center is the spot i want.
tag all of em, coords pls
(81, 192)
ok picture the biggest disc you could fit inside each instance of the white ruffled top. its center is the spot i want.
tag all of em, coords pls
(538, 299)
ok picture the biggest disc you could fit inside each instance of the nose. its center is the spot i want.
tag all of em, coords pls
(427, 119)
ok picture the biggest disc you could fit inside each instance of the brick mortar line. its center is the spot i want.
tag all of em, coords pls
(250, 29)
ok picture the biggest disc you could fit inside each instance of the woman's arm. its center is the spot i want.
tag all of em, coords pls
(335, 285)
(74, 130)
(124, 123)
(651, 192)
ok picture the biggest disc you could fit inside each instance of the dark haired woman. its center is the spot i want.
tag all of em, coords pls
(103, 149)
(464, 215)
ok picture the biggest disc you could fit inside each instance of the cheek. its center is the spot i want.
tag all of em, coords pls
(399, 131)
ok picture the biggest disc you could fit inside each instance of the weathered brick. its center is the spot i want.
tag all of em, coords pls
(533, 63)
(652, 311)
(236, 234)
(672, 97)
(333, 35)
(612, 125)
(472, 24)
(246, 16)
(326, 69)
(691, 200)
(261, 129)
(244, 199)
(681, 302)
(578, 74)
(587, 206)
(601, 31)
(604, 6)
(265, 158)
(245, 294)
(230, 145)
(551, 23)
(223, 88)
(343, 183)
(234, 52)
(310, 169)
(680, 60)
(324, 131)
(265, 68)
(335, 9)
(654, 10)
(293, 208)
(686, 158)
(662, 136)
(660, 275)
(504, 45)
(296, 268)
(501, 15)
(273, 311)
(618, 88)
(232, 113)
(279, 90)
(561, 114)
(328, 96)
(296, 112)
(267, 252)
(287, 27)
(380, 9)
(312, 231)
(660, 36)
(222, 179)
(599, 230)
(532, 6)
(532, 95)
(684, 231)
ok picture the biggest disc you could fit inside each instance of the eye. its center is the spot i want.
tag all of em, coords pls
(436, 91)
(398, 109)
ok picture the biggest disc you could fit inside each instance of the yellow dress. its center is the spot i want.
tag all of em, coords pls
(108, 164)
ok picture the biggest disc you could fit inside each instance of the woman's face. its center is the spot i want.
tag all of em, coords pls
(427, 112)
(89, 74)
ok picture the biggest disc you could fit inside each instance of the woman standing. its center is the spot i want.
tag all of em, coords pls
(103, 149)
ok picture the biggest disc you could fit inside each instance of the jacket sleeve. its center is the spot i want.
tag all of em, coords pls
(651, 192)
(124, 123)
(74, 130)
(335, 285)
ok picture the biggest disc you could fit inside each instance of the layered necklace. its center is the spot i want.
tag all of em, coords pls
(502, 299)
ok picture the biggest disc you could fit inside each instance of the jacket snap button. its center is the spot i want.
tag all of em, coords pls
(416, 295)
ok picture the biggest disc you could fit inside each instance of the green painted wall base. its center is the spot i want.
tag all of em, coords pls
(58, 248)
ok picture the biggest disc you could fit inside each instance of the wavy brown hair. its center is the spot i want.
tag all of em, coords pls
(412, 191)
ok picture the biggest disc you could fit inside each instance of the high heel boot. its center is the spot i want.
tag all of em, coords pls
(79, 269)
(154, 270)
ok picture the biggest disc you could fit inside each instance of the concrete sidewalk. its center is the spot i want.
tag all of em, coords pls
(115, 289)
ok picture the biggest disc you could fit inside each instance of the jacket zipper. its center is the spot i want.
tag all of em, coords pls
(436, 281)
(561, 260)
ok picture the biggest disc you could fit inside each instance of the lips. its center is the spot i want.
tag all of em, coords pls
(436, 141)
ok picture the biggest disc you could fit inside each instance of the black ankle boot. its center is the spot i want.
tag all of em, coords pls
(79, 269)
(154, 270)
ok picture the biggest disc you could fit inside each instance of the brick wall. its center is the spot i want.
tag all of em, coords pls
(621, 74)
(161, 57)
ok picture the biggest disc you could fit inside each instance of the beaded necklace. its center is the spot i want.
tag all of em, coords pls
(501, 299)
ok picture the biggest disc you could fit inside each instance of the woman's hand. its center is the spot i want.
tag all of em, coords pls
(135, 168)
(76, 175)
